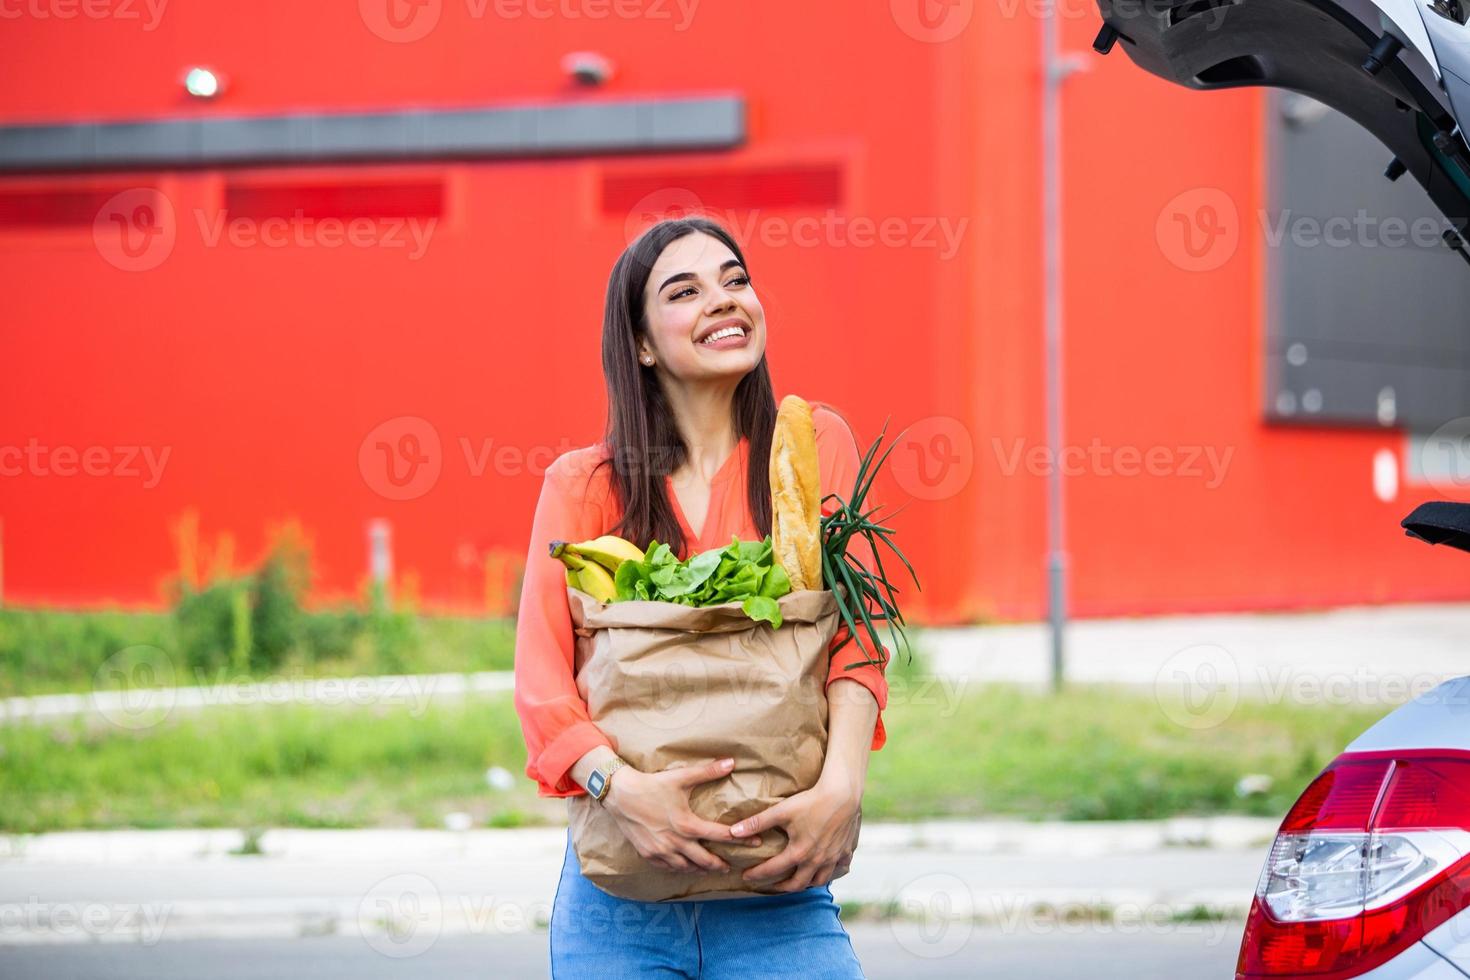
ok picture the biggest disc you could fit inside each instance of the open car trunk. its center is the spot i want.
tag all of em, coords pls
(1390, 65)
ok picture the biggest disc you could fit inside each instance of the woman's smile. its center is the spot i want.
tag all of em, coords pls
(726, 335)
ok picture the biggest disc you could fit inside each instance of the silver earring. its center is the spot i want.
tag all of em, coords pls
(646, 359)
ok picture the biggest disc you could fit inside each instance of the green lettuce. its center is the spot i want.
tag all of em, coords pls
(742, 571)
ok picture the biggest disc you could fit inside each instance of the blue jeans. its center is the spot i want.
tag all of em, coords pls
(602, 937)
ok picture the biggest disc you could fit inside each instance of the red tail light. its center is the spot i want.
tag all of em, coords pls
(1374, 855)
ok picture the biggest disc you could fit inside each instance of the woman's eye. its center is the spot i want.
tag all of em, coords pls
(683, 290)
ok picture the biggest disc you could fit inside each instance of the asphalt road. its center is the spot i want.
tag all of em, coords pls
(1205, 950)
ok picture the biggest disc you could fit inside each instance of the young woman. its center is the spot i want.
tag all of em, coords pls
(684, 460)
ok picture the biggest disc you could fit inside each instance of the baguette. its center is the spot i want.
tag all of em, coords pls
(796, 496)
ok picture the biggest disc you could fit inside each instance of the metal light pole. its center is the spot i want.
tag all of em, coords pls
(1055, 68)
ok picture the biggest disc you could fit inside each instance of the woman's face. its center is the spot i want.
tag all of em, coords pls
(699, 290)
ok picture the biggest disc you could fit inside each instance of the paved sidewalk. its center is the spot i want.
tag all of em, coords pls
(150, 886)
(1355, 655)
(1360, 655)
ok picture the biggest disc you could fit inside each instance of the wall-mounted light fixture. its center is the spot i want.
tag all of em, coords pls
(203, 83)
(587, 68)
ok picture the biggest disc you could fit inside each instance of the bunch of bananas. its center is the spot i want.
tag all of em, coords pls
(592, 564)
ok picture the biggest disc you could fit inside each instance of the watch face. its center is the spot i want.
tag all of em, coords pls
(594, 783)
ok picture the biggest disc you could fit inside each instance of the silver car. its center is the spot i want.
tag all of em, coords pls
(1369, 875)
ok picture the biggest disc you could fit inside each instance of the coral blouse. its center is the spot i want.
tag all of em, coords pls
(577, 503)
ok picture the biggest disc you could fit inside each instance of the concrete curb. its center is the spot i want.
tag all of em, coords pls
(400, 889)
(1050, 838)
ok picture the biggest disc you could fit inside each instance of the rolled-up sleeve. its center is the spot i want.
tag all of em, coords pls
(838, 460)
(553, 715)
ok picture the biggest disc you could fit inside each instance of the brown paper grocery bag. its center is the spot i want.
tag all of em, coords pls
(673, 685)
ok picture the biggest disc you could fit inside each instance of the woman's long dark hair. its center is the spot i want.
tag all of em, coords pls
(644, 443)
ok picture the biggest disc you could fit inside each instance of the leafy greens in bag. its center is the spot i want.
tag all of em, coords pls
(742, 571)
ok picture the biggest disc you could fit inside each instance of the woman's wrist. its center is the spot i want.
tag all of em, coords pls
(843, 783)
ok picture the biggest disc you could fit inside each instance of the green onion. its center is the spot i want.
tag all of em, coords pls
(853, 583)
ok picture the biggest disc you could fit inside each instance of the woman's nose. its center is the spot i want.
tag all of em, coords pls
(720, 301)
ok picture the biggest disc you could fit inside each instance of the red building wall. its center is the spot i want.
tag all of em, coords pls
(269, 374)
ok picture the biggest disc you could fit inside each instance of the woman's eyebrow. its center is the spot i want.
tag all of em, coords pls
(680, 276)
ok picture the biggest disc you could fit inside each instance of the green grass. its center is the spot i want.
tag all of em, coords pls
(286, 766)
(1090, 753)
(49, 652)
(1093, 754)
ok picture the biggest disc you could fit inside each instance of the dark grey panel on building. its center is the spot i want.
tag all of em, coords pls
(649, 125)
(1367, 312)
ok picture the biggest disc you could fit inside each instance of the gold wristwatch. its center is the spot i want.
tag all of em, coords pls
(600, 781)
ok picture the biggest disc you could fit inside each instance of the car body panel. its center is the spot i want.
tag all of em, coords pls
(1452, 941)
(1436, 719)
(1316, 48)
(1451, 43)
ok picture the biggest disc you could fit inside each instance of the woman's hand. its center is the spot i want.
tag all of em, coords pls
(653, 811)
(822, 826)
